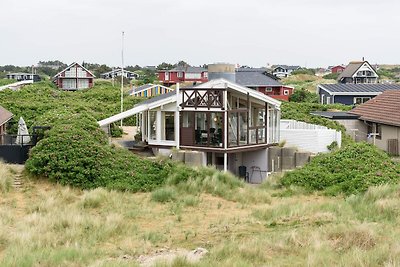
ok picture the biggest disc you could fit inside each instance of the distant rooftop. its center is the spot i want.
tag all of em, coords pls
(333, 115)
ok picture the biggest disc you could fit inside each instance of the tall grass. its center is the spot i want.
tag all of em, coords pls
(6, 178)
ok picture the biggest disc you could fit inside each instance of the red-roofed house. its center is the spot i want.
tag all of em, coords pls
(381, 116)
(182, 74)
(338, 69)
(5, 116)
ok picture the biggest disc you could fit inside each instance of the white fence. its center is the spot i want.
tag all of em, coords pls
(308, 137)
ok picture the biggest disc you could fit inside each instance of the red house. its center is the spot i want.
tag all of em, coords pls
(260, 80)
(182, 74)
(74, 77)
(338, 69)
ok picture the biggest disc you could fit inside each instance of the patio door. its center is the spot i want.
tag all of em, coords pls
(187, 129)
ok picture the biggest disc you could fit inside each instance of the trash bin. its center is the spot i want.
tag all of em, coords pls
(242, 172)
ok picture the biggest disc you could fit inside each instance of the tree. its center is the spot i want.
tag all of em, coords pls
(183, 64)
(165, 66)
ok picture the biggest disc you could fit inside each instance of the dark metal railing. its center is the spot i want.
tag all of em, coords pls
(14, 139)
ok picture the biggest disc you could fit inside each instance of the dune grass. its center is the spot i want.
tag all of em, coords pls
(50, 225)
(6, 178)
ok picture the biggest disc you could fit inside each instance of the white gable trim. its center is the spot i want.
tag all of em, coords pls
(225, 84)
(367, 66)
(138, 109)
(70, 66)
(151, 87)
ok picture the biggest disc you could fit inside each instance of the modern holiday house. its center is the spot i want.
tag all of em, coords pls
(261, 81)
(74, 77)
(359, 72)
(282, 71)
(118, 72)
(230, 126)
(182, 74)
(351, 94)
(23, 77)
(381, 121)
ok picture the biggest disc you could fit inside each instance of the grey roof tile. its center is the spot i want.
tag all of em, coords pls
(254, 78)
(360, 88)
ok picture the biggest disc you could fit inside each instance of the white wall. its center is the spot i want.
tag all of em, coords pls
(308, 137)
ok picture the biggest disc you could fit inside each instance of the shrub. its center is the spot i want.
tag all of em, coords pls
(164, 195)
(334, 145)
(76, 152)
(303, 95)
(331, 76)
(349, 170)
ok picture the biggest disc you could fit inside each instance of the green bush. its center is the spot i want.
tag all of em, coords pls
(331, 76)
(350, 170)
(76, 152)
(303, 95)
(304, 71)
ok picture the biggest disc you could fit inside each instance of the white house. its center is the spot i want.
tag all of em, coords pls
(283, 71)
(231, 125)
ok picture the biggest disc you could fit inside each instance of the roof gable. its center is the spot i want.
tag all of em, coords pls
(353, 68)
(5, 115)
(225, 84)
(73, 65)
(384, 109)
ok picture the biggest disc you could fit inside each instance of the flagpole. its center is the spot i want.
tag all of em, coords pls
(122, 76)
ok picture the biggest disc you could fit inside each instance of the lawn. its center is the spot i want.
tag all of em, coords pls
(43, 224)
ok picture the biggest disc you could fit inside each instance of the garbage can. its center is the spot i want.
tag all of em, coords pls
(242, 172)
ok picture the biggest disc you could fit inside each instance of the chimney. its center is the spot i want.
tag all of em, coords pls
(222, 71)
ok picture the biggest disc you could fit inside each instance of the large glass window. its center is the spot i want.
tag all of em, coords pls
(201, 133)
(208, 129)
(169, 126)
(153, 125)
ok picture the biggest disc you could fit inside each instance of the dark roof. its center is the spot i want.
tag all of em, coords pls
(352, 68)
(156, 98)
(287, 67)
(189, 69)
(359, 88)
(262, 70)
(384, 108)
(5, 115)
(338, 115)
(254, 78)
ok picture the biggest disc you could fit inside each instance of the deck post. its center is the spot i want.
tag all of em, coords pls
(177, 122)
(225, 162)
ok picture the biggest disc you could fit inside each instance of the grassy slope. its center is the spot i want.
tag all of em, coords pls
(57, 226)
(6, 81)
(305, 81)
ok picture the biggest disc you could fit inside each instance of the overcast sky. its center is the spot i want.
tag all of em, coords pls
(251, 32)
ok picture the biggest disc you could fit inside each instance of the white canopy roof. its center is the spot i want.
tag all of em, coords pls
(172, 97)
